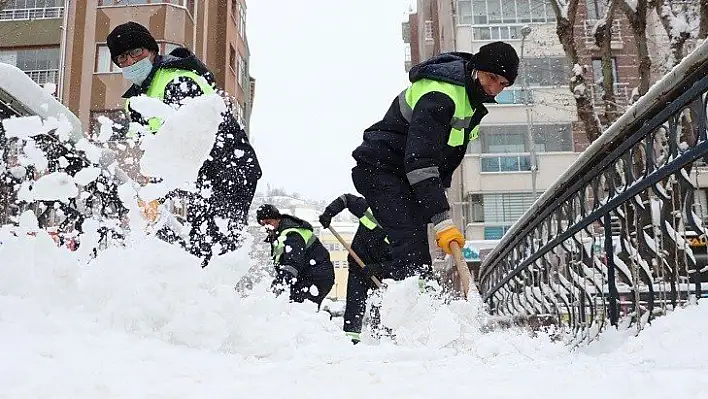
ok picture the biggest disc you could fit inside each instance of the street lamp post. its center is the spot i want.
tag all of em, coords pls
(525, 31)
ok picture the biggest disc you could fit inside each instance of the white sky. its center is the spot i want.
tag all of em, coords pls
(325, 70)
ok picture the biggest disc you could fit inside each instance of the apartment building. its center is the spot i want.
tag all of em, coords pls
(536, 118)
(338, 254)
(63, 42)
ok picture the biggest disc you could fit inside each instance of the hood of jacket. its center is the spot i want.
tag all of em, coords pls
(455, 68)
(288, 221)
(446, 67)
(179, 58)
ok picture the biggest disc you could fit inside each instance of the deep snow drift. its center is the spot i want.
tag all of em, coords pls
(147, 321)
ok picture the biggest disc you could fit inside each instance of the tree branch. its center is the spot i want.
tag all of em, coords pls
(703, 27)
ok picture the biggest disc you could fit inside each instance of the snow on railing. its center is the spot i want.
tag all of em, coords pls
(619, 238)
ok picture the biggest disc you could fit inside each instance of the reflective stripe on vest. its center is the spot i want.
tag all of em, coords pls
(306, 235)
(159, 83)
(370, 222)
(463, 110)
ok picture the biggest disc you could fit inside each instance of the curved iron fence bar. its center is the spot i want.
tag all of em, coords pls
(678, 89)
(652, 178)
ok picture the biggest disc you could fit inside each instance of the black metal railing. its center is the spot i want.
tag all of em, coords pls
(619, 238)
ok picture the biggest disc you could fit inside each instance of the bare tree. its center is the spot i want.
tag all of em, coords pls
(674, 16)
(703, 28)
(566, 11)
(636, 14)
(603, 40)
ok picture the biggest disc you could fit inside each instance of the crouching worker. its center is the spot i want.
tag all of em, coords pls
(301, 262)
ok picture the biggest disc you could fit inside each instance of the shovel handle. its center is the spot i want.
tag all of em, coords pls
(462, 270)
(353, 254)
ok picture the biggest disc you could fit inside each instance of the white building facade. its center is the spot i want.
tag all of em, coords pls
(493, 186)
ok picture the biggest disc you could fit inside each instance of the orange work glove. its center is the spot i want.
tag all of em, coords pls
(445, 233)
(149, 210)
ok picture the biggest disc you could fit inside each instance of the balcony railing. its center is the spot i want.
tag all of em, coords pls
(24, 14)
(42, 76)
(505, 163)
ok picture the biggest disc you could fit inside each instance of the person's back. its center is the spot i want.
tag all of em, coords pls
(232, 171)
(302, 263)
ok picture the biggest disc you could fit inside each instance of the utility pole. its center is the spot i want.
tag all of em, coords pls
(525, 31)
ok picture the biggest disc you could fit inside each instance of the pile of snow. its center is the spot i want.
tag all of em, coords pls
(184, 141)
(150, 315)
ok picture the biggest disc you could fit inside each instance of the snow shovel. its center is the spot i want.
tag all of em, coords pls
(354, 255)
(462, 270)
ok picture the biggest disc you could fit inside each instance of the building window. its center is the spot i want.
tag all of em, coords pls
(242, 20)
(597, 70)
(240, 117)
(234, 12)
(503, 139)
(429, 30)
(104, 63)
(240, 72)
(505, 163)
(40, 64)
(508, 139)
(514, 95)
(496, 32)
(476, 208)
(506, 208)
(32, 9)
(232, 59)
(464, 12)
(487, 12)
(245, 79)
(495, 232)
(546, 71)
(553, 137)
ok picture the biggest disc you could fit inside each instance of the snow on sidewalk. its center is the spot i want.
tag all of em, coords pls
(147, 322)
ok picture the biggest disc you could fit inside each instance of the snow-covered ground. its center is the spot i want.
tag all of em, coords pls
(147, 322)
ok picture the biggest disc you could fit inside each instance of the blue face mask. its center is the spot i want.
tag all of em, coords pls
(138, 72)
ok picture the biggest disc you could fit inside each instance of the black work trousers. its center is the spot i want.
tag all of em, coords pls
(397, 210)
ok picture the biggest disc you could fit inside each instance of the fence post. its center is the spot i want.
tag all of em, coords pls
(611, 282)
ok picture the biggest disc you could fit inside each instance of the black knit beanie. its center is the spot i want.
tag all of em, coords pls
(128, 36)
(499, 58)
(267, 211)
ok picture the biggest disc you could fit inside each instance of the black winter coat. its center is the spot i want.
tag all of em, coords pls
(397, 146)
(233, 162)
(369, 244)
(310, 263)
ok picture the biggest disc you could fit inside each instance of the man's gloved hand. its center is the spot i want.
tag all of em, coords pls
(445, 233)
(148, 210)
(325, 220)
